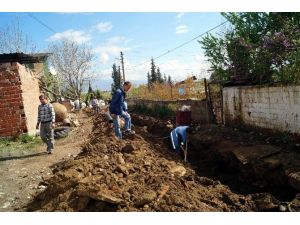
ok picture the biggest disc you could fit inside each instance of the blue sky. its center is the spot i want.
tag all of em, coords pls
(139, 35)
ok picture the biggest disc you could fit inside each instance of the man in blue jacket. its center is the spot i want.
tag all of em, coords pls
(116, 109)
(179, 139)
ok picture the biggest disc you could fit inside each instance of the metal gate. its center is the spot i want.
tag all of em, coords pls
(215, 101)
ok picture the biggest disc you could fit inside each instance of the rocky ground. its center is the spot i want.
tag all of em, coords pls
(227, 170)
(132, 175)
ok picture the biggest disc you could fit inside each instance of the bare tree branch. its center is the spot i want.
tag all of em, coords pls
(72, 63)
(13, 39)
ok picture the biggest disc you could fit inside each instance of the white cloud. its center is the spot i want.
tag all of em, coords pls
(182, 29)
(178, 69)
(104, 26)
(111, 48)
(180, 15)
(116, 39)
(72, 35)
(104, 57)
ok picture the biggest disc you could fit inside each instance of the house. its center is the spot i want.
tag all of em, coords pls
(190, 87)
(19, 92)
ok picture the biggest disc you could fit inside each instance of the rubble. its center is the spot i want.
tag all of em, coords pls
(132, 175)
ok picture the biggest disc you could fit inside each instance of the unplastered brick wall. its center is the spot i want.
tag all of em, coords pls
(12, 114)
(18, 99)
(271, 107)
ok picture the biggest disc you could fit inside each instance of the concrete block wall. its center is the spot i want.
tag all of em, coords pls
(270, 107)
(199, 109)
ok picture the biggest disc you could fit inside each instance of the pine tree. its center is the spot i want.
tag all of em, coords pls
(159, 76)
(98, 94)
(116, 76)
(153, 76)
(90, 88)
(170, 80)
(148, 80)
(165, 78)
(120, 76)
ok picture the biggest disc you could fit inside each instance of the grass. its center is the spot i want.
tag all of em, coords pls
(163, 111)
(18, 143)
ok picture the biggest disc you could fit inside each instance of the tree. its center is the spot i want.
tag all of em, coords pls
(148, 80)
(170, 82)
(159, 76)
(13, 39)
(165, 78)
(98, 94)
(116, 76)
(73, 65)
(90, 88)
(258, 48)
(153, 76)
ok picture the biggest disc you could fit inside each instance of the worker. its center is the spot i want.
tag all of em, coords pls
(116, 109)
(46, 117)
(95, 104)
(77, 104)
(179, 139)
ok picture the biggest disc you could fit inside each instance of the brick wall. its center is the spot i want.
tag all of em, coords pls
(199, 108)
(18, 100)
(276, 108)
(12, 114)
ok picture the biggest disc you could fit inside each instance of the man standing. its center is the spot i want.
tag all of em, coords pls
(95, 104)
(116, 108)
(46, 117)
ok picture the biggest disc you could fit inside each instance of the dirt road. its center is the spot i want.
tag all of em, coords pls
(21, 174)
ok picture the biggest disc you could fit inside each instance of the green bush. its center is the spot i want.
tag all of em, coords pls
(158, 110)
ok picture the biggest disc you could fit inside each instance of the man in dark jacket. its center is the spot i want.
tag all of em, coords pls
(179, 139)
(116, 109)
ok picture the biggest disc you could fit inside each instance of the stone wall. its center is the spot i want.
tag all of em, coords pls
(276, 108)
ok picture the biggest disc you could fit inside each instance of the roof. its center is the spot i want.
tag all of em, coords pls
(24, 58)
(184, 81)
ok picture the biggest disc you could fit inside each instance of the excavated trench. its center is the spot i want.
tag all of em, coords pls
(141, 173)
(212, 155)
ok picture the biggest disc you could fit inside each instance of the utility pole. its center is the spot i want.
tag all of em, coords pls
(122, 64)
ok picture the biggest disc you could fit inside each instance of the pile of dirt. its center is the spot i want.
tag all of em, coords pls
(135, 174)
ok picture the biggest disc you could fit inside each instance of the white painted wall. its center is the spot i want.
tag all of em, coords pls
(261, 106)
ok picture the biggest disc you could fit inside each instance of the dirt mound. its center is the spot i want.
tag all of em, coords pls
(132, 175)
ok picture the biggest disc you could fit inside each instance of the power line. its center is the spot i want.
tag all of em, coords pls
(41, 22)
(183, 44)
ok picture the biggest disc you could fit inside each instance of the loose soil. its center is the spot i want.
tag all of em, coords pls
(24, 170)
(227, 170)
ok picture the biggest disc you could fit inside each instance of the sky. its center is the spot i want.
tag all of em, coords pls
(140, 36)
